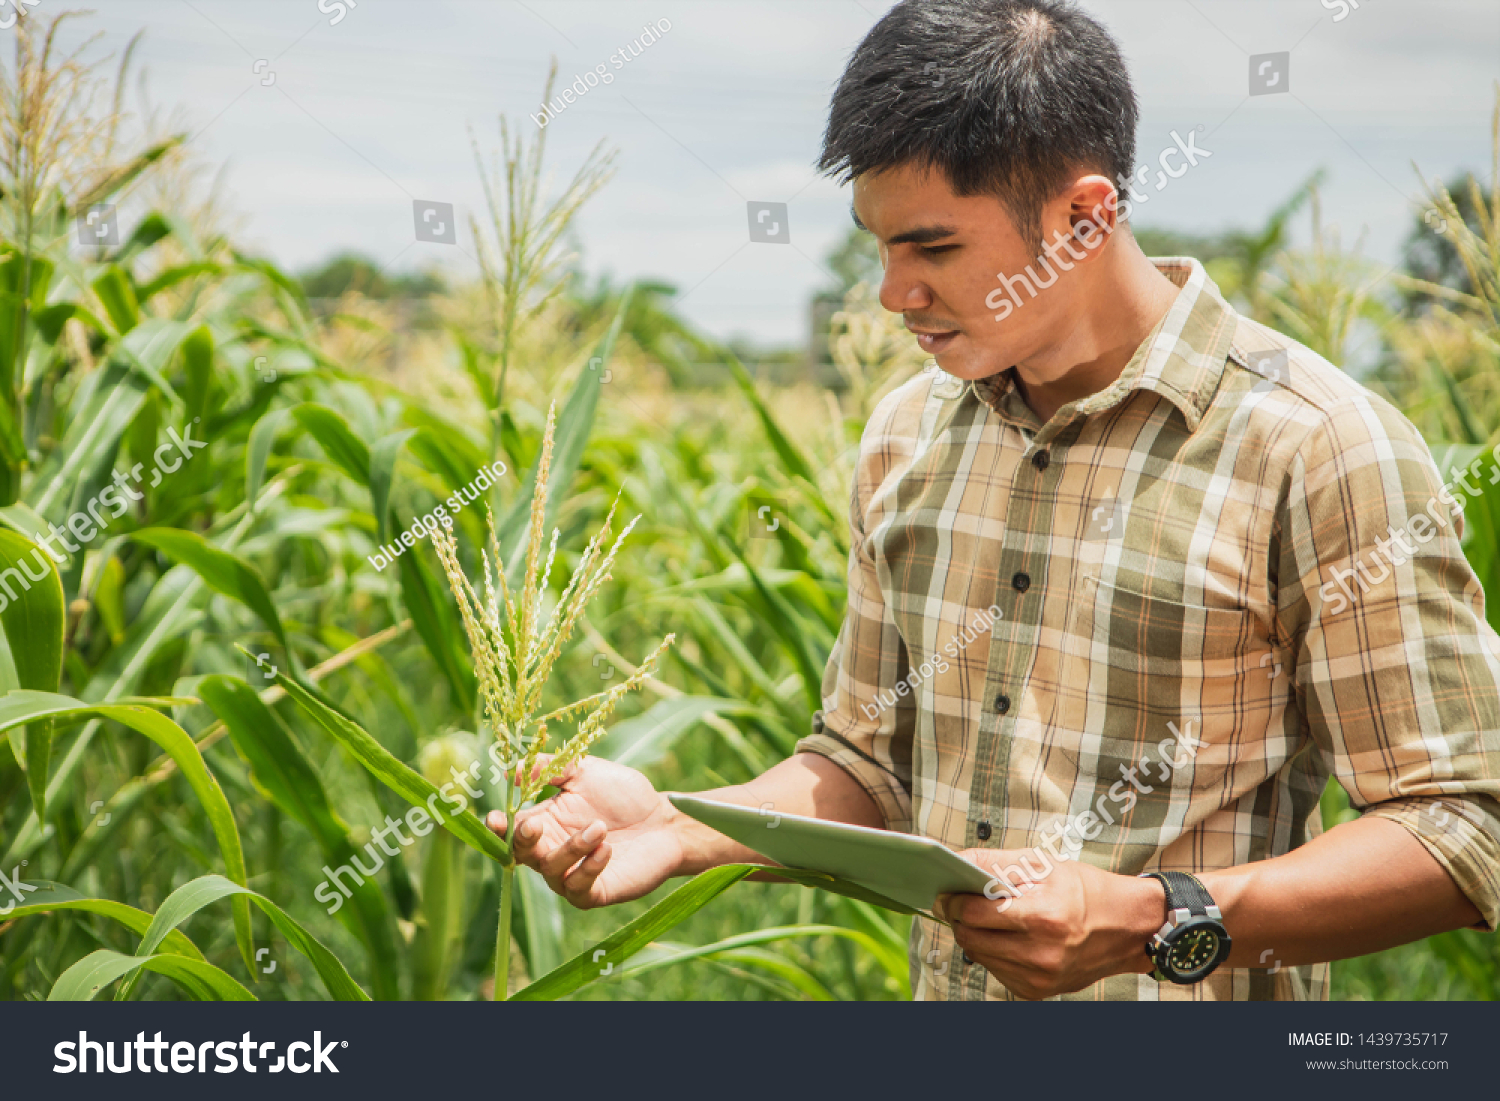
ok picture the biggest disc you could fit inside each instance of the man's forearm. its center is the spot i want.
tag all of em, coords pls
(1362, 887)
(806, 784)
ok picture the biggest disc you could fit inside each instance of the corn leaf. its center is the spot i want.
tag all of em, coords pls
(383, 458)
(25, 706)
(198, 366)
(150, 346)
(336, 439)
(118, 296)
(427, 604)
(203, 981)
(539, 930)
(104, 409)
(404, 781)
(258, 452)
(283, 770)
(745, 949)
(792, 457)
(838, 886)
(754, 938)
(783, 621)
(50, 897)
(172, 276)
(222, 571)
(31, 649)
(611, 952)
(644, 740)
(84, 979)
(600, 961)
(574, 425)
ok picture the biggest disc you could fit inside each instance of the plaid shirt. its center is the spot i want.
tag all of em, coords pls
(1162, 621)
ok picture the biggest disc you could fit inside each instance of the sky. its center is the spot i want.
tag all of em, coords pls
(331, 118)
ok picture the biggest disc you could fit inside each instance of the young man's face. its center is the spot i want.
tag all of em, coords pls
(943, 254)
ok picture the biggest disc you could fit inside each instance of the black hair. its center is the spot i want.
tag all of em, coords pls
(1005, 97)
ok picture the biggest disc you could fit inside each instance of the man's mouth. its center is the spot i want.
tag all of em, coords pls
(936, 342)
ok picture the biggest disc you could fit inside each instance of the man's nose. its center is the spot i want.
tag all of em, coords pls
(899, 292)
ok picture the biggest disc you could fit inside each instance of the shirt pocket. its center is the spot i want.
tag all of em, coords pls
(1141, 672)
(1160, 636)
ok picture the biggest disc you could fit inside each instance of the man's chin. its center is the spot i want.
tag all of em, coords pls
(968, 367)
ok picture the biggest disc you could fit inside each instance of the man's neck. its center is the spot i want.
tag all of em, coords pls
(1096, 352)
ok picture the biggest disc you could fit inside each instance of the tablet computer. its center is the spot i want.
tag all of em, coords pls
(909, 869)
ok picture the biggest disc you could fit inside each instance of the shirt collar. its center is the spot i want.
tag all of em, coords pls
(1182, 359)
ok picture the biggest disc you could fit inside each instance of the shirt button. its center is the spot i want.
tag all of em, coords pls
(1002, 703)
(1021, 581)
(983, 831)
(1040, 460)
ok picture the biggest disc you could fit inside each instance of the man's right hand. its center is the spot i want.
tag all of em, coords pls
(607, 836)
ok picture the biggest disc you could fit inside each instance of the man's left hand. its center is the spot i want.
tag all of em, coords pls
(1058, 933)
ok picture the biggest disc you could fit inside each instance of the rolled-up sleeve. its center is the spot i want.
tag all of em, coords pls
(1397, 672)
(870, 739)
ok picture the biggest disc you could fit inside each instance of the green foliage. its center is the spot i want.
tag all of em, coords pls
(138, 825)
(351, 271)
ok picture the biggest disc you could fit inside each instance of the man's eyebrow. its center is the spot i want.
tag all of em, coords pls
(924, 235)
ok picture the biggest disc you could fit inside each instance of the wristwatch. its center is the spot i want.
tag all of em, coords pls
(1193, 941)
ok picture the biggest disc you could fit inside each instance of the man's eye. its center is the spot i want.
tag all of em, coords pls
(933, 250)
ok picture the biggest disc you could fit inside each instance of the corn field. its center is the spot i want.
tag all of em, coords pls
(234, 674)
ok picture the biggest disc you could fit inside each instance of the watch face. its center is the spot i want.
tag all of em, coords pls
(1195, 950)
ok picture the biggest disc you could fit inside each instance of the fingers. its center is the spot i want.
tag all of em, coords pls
(555, 864)
(982, 912)
(578, 885)
(528, 834)
(527, 840)
(1028, 971)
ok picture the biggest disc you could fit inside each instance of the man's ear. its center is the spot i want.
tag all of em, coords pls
(1093, 213)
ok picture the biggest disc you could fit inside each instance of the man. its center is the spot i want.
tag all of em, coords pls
(1119, 602)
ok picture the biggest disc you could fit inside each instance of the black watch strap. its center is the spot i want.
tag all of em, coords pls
(1184, 892)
